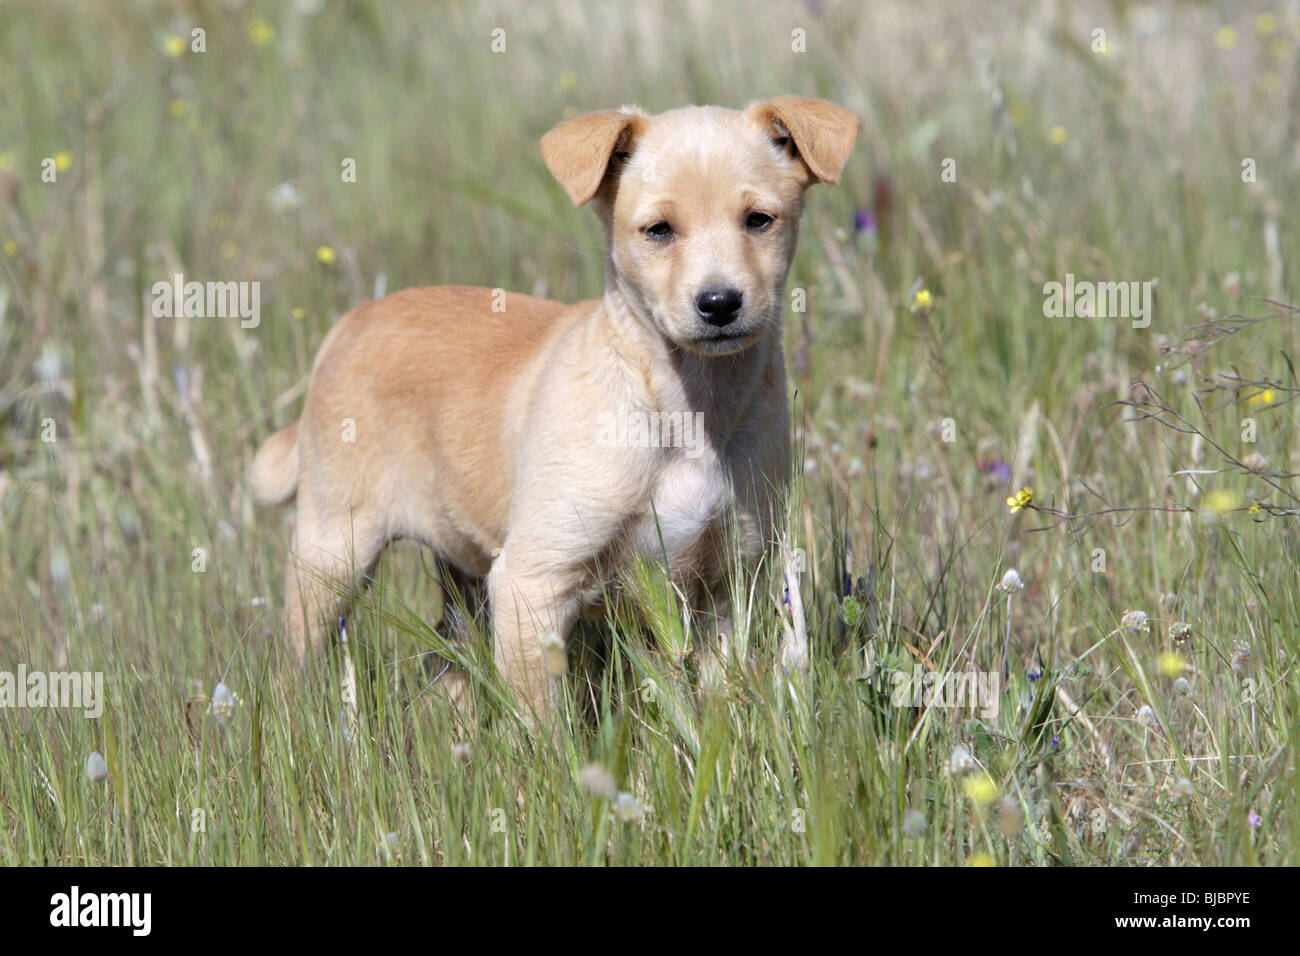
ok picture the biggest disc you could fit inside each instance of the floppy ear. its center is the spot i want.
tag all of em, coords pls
(578, 151)
(822, 132)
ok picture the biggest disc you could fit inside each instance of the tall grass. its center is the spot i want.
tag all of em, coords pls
(1123, 165)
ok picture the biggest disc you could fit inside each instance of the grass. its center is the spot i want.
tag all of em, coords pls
(1126, 165)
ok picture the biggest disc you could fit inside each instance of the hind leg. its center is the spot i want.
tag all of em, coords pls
(327, 557)
(464, 603)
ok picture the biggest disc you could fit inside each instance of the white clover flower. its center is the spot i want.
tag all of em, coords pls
(49, 366)
(627, 809)
(60, 567)
(1146, 716)
(913, 822)
(285, 197)
(1134, 621)
(1182, 687)
(599, 781)
(461, 752)
(1011, 581)
(96, 767)
(223, 704)
(961, 761)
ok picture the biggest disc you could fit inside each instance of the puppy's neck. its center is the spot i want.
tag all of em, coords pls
(665, 377)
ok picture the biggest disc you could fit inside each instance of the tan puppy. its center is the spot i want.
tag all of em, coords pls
(538, 446)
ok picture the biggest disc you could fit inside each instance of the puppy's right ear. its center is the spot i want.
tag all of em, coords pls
(579, 151)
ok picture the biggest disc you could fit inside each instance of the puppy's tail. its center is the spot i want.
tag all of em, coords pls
(275, 468)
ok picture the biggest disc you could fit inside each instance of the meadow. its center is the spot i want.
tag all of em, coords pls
(1095, 516)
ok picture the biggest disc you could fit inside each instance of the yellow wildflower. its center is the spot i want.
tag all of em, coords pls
(260, 32)
(1021, 499)
(1222, 501)
(980, 788)
(1171, 664)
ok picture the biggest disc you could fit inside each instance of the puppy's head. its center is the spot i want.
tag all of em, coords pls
(701, 206)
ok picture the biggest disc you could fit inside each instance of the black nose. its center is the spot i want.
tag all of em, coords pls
(718, 305)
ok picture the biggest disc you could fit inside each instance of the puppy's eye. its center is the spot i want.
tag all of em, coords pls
(758, 221)
(659, 230)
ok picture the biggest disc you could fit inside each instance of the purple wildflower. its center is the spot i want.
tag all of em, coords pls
(996, 470)
(864, 220)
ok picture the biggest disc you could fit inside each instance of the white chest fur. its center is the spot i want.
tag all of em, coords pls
(691, 497)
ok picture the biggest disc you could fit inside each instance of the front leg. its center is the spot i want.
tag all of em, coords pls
(532, 614)
(575, 503)
(715, 627)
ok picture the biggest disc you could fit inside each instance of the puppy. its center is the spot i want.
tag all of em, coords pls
(537, 447)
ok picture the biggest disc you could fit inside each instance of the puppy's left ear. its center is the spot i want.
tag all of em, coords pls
(822, 133)
(581, 151)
